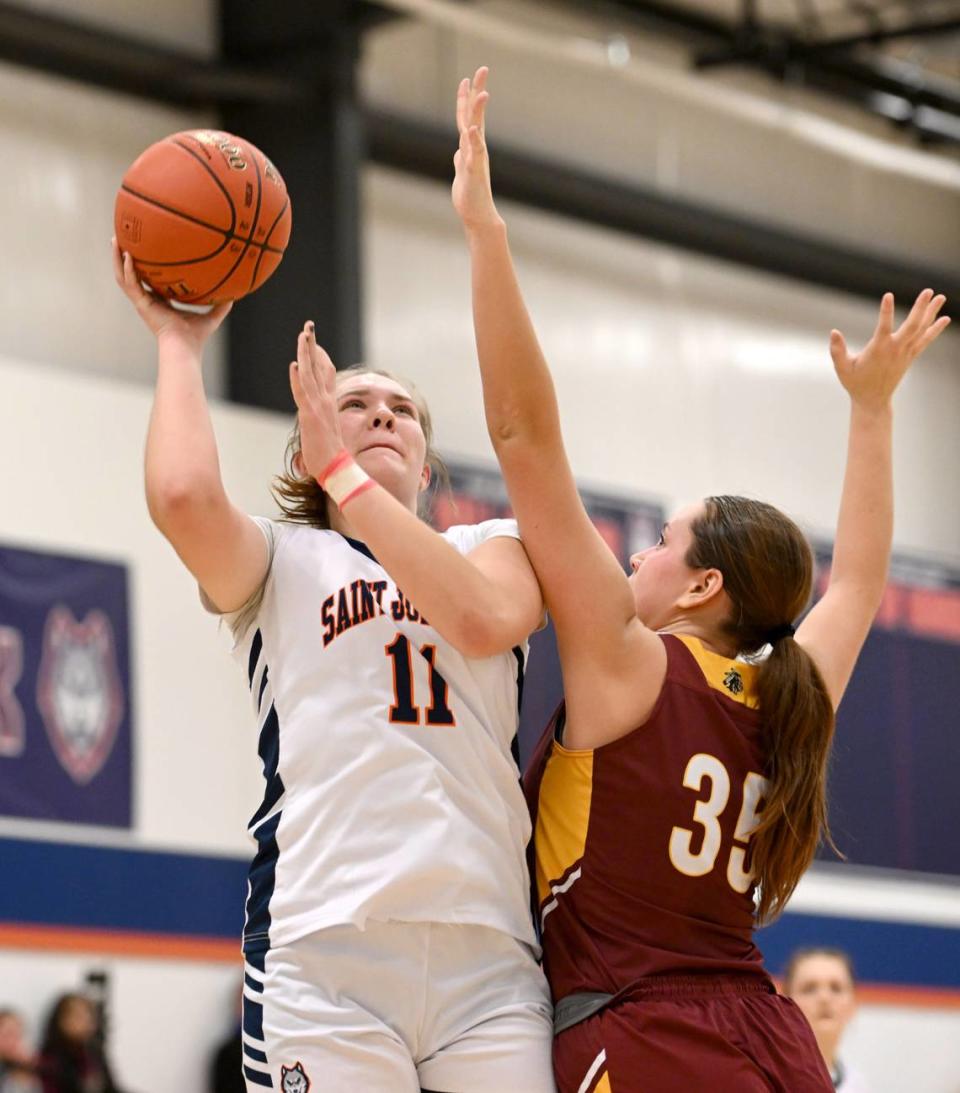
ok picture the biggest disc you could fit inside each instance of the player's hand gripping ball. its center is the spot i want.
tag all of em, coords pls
(205, 216)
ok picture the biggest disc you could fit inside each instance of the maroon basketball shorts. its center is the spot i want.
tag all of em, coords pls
(694, 1034)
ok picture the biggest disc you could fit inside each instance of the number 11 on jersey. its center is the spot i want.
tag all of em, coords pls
(404, 711)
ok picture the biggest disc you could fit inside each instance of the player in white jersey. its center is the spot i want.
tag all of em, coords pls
(388, 940)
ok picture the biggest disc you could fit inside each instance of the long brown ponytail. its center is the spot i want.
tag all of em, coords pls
(767, 568)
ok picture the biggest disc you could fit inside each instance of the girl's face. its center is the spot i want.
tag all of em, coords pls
(11, 1036)
(822, 987)
(381, 428)
(660, 573)
(77, 1020)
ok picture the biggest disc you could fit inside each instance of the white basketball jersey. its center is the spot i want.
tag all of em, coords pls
(392, 788)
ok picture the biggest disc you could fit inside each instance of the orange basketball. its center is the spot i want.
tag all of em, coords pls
(205, 216)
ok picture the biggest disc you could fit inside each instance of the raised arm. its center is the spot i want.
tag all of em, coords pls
(580, 577)
(484, 602)
(221, 546)
(835, 629)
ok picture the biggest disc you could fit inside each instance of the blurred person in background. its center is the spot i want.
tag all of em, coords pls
(18, 1072)
(72, 1058)
(822, 983)
(226, 1062)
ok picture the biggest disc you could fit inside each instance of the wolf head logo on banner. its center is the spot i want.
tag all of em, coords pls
(78, 692)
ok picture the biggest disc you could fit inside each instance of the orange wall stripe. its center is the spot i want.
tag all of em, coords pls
(891, 994)
(120, 943)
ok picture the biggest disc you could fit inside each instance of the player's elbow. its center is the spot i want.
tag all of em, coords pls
(173, 502)
(481, 633)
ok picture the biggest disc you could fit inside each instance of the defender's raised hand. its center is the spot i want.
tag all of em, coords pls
(472, 195)
(872, 375)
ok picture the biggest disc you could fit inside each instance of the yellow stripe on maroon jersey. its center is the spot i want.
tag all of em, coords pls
(733, 678)
(563, 814)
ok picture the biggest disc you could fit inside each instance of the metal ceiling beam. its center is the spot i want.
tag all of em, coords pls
(589, 198)
(789, 56)
(77, 51)
(888, 34)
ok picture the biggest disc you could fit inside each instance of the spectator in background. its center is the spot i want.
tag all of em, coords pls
(226, 1064)
(18, 1073)
(821, 982)
(72, 1058)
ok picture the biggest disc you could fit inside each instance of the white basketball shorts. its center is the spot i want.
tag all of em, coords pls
(396, 1008)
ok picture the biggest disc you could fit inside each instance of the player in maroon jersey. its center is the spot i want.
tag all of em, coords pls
(679, 794)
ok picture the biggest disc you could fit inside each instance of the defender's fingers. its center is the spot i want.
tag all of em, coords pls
(911, 324)
(463, 95)
(480, 109)
(476, 142)
(885, 317)
(932, 310)
(933, 333)
(838, 350)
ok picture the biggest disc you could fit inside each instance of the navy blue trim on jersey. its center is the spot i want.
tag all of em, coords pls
(256, 987)
(258, 1077)
(253, 1018)
(262, 876)
(515, 742)
(521, 663)
(255, 646)
(256, 1054)
(268, 748)
(361, 547)
(256, 934)
(263, 685)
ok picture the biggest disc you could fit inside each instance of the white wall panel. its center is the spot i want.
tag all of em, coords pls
(899, 1050)
(66, 148)
(677, 376)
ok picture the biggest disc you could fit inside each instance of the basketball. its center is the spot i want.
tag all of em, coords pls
(205, 216)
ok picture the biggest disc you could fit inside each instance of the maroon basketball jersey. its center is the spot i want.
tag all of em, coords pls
(641, 845)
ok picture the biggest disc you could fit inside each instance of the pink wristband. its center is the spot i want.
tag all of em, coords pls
(343, 479)
(343, 456)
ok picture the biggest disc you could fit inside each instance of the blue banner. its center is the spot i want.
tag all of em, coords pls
(65, 696)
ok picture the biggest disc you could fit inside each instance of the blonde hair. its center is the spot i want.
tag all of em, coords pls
(300, 497)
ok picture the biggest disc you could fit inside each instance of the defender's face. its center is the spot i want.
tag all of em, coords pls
(381, 428)
(821, 986)
(660, 573)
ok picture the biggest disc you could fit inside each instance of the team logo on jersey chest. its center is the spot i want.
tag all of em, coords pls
(78, 691)
(294, 1079)
(733, 681)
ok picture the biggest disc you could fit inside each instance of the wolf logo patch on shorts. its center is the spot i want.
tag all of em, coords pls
(294, 1079)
